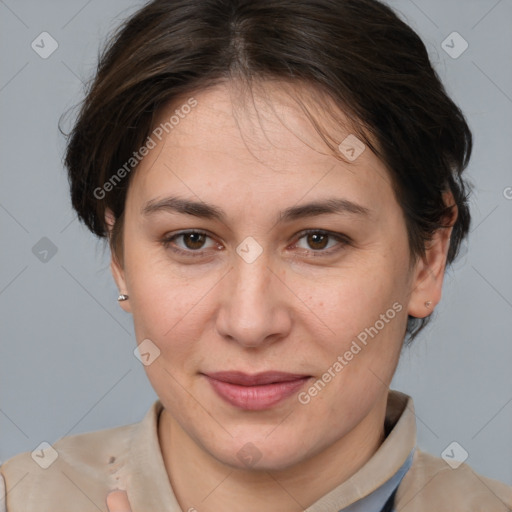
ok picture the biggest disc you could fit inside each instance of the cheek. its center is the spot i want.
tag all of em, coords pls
(165, 308)
(352, 299)
(358, 315)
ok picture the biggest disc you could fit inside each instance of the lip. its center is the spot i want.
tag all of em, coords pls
(258, 391)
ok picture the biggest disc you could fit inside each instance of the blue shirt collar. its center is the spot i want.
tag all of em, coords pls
(375, 501)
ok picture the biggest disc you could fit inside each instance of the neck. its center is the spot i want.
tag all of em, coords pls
(201, 482)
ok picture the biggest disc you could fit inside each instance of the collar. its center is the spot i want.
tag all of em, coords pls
(386, 462)
(377, 501)
(148, 486)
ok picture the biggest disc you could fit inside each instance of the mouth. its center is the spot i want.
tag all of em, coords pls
(258, 391)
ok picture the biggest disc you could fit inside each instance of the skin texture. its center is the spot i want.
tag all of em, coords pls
(117, 501)
(297, 307)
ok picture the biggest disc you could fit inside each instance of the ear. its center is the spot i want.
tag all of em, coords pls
(115, 266)
(428, 274)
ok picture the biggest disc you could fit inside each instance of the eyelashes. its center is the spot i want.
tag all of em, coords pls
(197, 238)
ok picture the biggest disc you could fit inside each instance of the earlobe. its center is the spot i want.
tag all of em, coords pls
(429, 276)
(116, 268)
(429, 271)
(118, 275)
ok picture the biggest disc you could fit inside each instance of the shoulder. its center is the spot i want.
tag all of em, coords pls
(76, 471)
(432, 484)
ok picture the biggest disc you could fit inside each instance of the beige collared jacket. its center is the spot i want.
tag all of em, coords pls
(83, 468)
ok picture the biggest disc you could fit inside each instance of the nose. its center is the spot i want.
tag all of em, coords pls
(255, 309)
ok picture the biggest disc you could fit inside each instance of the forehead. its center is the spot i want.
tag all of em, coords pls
(264, 139)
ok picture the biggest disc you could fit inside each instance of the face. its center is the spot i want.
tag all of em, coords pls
(230, 267)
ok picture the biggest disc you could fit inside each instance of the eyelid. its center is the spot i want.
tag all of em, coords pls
(168, 239)
(340, 237)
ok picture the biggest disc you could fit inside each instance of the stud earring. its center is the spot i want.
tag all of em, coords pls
(428, 304)
(122, 297)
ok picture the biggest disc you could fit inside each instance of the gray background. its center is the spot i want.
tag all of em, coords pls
(67, 363)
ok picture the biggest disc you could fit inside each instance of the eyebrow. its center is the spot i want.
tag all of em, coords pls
(174, 204)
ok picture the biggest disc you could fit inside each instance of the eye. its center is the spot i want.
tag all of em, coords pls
(319, 240)
(193, 242)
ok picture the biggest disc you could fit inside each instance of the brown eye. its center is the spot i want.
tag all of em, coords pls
(193, 240)
(322, 242)
(191, 243)
(317, 241)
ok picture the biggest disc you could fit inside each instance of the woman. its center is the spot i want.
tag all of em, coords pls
(281, 186)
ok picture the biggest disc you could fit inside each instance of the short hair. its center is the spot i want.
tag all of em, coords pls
(357, 53)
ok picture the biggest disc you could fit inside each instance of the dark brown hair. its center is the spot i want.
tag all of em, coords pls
(357, 53)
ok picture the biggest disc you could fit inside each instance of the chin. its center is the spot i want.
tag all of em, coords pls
(247, 454)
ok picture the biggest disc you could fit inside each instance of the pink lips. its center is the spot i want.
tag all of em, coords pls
(255, 392)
